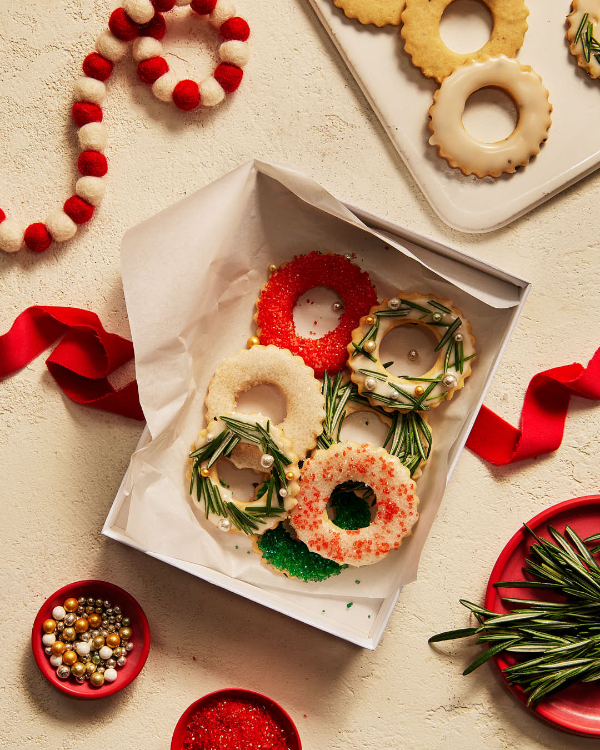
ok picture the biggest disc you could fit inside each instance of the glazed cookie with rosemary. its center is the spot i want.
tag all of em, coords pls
(581, 32)
(274, 498)
(395, 503)
(409, 436)
(455, 350)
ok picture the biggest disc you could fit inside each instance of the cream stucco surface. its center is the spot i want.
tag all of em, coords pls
(61, 464)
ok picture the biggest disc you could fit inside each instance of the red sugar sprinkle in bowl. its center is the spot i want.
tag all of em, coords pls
(290, 736)
(140, 638)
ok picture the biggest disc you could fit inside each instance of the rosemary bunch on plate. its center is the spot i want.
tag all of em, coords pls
(556, 642)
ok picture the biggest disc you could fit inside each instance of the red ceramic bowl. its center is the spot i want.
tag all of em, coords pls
(140, 639)
(577, 708)
(284, 719)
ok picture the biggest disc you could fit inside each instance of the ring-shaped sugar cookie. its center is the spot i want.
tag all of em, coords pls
(395, 515)
(278, 297)
(376, 12)
(583, 37)
(455, 348)
(408, 435)
(279, 367)
(422, 40)
(273, 498)
(468, 154)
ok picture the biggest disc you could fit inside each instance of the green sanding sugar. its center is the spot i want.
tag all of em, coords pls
(351, 511)
(293, 557)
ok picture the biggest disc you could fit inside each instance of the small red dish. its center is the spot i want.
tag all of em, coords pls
(291, 733)
(135, 660)
(577, 708)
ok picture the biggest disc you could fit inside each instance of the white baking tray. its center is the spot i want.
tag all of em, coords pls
(401, 96)
(364, 621)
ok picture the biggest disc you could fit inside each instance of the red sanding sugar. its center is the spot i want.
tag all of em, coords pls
(234, 724)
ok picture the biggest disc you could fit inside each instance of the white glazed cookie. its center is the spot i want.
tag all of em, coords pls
(583, 13)
(468, 154)
(394, 490)
(279, 367)
(455, 347)
(273, 499)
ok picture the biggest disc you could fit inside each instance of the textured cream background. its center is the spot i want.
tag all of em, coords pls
(61, 464)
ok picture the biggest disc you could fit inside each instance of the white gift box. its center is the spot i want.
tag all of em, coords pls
(191, 276)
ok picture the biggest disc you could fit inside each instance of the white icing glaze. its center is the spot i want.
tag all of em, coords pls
(384, 381)
(580, 8)
(467, 153)
(215, 427)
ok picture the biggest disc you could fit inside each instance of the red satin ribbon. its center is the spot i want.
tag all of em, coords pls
(543, 416)
(82, 361)
(87, 354)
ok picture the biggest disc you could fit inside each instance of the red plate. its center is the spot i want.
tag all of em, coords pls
(284, 719)
(577, 708)
(140, 639)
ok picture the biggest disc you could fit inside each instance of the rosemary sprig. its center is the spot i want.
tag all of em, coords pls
(560, 639)
(336, 395)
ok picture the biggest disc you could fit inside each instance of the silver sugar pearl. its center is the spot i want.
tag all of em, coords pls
(69, 619)
(82, 601)
(80, 680)
(104, 632)
(99, 602)
(98, 610)
(129, 646)
(394, 395)
(394, 303)
(122, 661)
(112, 628)
(85, 659)
(107, 604)
(370, 384)
(283, 492)
(95, 633)
(60, 626)
(48, 650)
(118, 618)
(104, 623)
(112, 619)
(337, 306)
(117, 610)
(118, 651)
(90, 602)
(370, 346)
(101, 670)
(450, 381)
(89, 609)
(413, 354)
(111, 663)
(267, 461)
(347, 256)
(126, 622)
(437, 317)
(109, 612)
(458, 337)
(63, 671)
(224, 524)
(209, 437)
(85, 636)
(80, 610)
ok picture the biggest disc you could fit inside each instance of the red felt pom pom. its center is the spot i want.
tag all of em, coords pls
(203, 7)
(78, 210)
(84, 112)
(122, 26)
(163, 5)
(37, 237)
(186, 95)
(152, 69)
(92, 163)
(96, 66)
(235, 28)
(156, 27)
(229, 76)
(2, 216)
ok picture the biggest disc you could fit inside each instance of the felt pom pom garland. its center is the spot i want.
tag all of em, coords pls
(140, 22)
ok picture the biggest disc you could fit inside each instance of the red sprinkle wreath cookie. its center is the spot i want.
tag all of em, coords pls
(455, 348)
(394, 492)
(275, 307)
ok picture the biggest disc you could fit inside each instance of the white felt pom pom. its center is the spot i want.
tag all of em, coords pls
(140, 11)
(211, 92)
(89, 90)
(110, 47)
(163, 87)
(234, 52)
(146, 47)
(11, 236)
(223, 10)
(93, 136)
(60, 226)
(91, 189)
